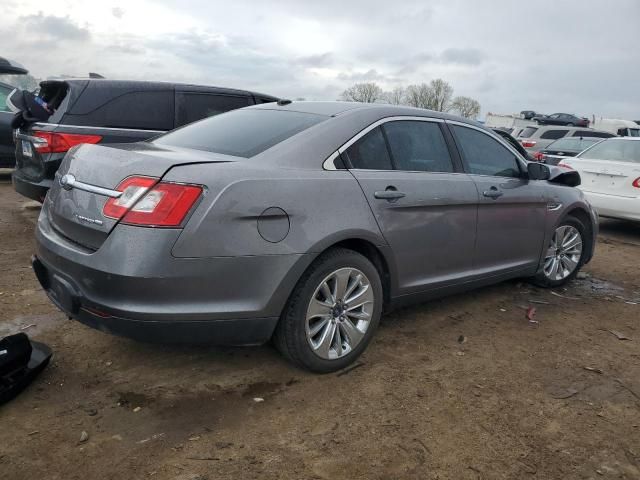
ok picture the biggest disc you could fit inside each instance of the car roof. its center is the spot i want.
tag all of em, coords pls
(544, 128)
(333, 109)
(153, 85)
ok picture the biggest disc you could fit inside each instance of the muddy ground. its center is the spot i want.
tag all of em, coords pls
(462, 388)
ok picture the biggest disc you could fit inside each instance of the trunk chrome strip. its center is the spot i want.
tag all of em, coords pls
(69, 182)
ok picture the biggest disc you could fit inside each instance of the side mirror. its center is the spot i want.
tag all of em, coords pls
(538, 171)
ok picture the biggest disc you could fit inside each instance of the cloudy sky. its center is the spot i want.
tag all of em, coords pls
(578, 56)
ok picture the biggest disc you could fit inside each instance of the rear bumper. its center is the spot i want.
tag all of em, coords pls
(133, 287)
(614, 206)
(30, 188)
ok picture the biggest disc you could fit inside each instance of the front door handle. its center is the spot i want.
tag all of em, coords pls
(493, 192)
(389, 194)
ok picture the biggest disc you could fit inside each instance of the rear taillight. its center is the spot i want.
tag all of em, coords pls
(564, 165)
(539, 156)
(636, 183)
(145, 201)
(528, 143)
(53, 142)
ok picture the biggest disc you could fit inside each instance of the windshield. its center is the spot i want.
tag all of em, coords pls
(242, 133)
(574, 144)
(616, 150)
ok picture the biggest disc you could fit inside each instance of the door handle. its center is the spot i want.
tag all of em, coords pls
(389, 194)
(493, 192)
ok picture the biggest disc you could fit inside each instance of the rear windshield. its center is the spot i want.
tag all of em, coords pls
(614, 150)
(242, 133)
(527, 132)
(573, 143)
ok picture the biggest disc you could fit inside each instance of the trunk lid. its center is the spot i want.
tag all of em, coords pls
(606, 176)
(77, 214)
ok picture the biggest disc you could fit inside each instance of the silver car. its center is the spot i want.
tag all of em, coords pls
(300, 222)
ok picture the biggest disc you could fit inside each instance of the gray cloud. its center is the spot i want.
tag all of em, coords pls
(462, 56)
(582, 61)
(56, 28)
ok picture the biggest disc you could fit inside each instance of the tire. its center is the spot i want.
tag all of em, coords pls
(294, 336)
(570, 125)
(545, 278)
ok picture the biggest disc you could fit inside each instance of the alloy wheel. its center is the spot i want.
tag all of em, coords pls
(339, 313)
(563, 254)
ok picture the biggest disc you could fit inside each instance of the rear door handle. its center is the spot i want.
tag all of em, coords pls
(493, 192)
(389, 195)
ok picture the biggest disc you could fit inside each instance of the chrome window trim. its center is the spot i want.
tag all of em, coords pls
(522, 161)
(328, 163)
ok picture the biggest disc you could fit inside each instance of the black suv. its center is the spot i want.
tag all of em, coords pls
(110, 111)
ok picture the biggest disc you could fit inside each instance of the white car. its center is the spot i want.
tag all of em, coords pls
(610, 173)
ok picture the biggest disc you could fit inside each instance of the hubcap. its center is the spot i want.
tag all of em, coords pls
(339, 313)
(563, 255)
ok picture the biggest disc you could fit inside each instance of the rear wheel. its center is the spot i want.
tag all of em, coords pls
(570, 125)
(333, 312)
(565, 254)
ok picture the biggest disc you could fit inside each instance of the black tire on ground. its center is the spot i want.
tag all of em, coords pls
(290, 336)
(570, 125)
(541, 280)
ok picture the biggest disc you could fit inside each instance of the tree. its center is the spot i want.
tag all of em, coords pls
(418, 96)
(441, 93)
(466, 107)
(395, 96)
(363, 92)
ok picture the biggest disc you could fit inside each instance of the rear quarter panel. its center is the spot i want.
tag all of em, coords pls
(322, 207)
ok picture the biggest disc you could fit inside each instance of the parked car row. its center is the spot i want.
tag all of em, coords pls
(109, 111)
(535, 138)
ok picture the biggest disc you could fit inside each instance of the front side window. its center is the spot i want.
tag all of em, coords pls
(370, 152)
(614, 150)
(484, 155)
(418, 146)
(590, 133)
(554, 134)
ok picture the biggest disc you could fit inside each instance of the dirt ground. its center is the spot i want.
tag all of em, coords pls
(462, 388)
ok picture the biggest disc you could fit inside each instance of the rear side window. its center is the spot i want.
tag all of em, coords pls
(527, 132)
(484, 155)
(553, 134)
(191, 107)
(143, 110)
(418, 146)
(242, 133)
(370, 152)
(590, 133)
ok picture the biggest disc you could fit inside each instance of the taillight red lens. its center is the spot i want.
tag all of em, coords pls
(528, 143)
(539, 156)
(61, 142)
(146, 202)
(636, 183)
(564, 165)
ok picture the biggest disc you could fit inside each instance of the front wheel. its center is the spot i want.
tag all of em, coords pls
(564, 255)
(333, 312)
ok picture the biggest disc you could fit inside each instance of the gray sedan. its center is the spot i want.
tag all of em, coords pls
(300, 222)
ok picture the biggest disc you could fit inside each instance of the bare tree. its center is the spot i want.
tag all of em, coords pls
(395, 96)
(441, 93)
(362, 92)
(466, 107)
(418, 95)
